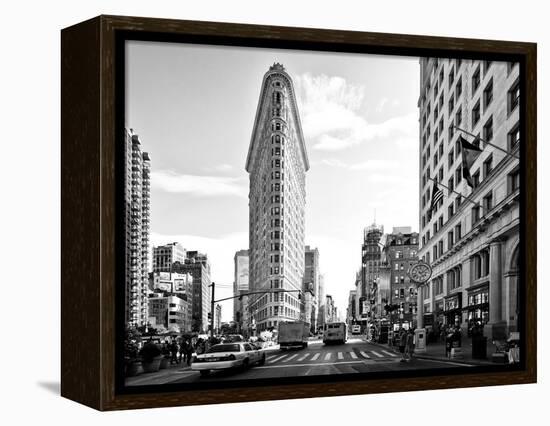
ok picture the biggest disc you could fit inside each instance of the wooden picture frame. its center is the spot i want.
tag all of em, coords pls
(90, 97)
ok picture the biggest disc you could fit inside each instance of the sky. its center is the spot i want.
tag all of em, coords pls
(193, 107)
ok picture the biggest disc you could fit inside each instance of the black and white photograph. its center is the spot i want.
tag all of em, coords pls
(305, 214)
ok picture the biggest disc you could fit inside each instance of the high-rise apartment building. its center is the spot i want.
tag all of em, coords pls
(277, 163)
(198, 266)
(136, 214)
(165, 256)
(472, 244)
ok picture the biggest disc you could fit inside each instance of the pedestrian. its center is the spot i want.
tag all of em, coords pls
(189, 351)
(174, 352)
(183, 351)
(402, 343)
(410, 344)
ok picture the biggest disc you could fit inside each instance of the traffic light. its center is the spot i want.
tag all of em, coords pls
(209, 315)
(299, 295)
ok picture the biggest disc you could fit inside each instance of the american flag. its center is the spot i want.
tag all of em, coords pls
(437, 195)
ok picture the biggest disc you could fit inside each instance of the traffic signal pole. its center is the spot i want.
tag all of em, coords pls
(212, 302)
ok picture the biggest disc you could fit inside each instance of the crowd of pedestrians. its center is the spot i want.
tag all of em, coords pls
(181, 352)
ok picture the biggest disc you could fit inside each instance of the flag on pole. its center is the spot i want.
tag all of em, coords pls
(469, 154)
(437, 195)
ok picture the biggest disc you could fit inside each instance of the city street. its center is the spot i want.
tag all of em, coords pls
(356, 356)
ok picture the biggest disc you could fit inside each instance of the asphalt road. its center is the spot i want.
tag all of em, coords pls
(355, 356)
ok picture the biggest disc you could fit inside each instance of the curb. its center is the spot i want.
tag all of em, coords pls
(436, 358)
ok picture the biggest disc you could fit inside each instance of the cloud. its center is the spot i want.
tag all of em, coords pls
(387, 178)
(330, 110)
(381, 104)
(202, 186)
(365, 165)
(221, 168)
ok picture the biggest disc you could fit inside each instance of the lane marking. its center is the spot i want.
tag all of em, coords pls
(364, 354)
(377, 354)
(289, 358)
(389, 353)
(340, 355)
(309, 365)
(446, 362)
(304, 357)
(276, 359)
(315, 356)
(327, 356)
(353, 355)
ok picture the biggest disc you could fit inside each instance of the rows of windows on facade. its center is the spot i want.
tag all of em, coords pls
(175, 294)
(470, 237)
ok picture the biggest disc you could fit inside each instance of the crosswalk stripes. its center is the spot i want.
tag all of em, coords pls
(354, 355)
(304, 357)
(289, 358)
(275, 359)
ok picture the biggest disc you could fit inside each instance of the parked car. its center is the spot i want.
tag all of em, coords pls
(226, 356)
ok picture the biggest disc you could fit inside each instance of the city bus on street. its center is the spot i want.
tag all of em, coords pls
(335, 332)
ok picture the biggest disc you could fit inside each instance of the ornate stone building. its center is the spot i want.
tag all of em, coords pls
(401, 251)
(277, 163)
(472, 245)
(370, 271)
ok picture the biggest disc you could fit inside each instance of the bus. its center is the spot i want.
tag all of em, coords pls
(335, 332)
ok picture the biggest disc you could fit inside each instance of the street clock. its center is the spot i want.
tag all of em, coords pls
(420, 272)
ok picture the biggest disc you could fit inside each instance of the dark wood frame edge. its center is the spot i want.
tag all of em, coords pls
(88, 222)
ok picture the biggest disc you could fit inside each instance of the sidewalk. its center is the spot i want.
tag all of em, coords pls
(158, 377)
(436, 351)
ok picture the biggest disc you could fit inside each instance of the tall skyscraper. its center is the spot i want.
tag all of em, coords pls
(240, 286)
(277, 164)
(198, 266)
(311, 286)
(472, 244)
(165, 256)
(136, 214)
(370, 270)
